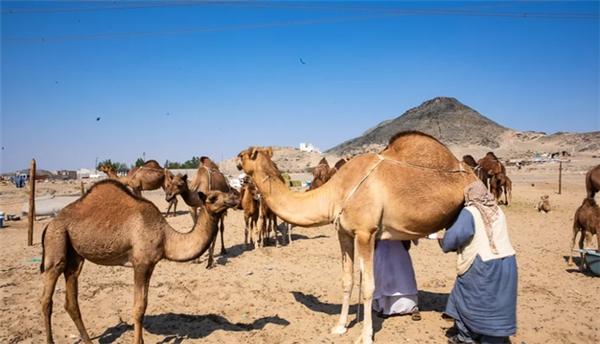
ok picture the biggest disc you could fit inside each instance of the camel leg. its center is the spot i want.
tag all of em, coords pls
(211, 261)
(54, 252)
(141, 276)
(222, 229)
(366, 247)
(50, 276)
(274, 226)
(289, 232)
(74, 265)
(259, 228)
(246, 227)
(581, 241)
(347, 248)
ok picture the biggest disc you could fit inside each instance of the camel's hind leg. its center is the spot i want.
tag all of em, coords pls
(141, 277)
(72, 270)
(246, 231)
(53, 264)
(572, 247)
(365, 248)
(274, 227)
(347, 248)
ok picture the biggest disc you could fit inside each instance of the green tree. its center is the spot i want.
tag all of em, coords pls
(139, 162)
(116, 166)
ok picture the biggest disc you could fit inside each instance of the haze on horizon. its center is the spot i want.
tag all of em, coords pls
(81, 81)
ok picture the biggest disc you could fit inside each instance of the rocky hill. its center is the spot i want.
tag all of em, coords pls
(445, 118)
(466, 131)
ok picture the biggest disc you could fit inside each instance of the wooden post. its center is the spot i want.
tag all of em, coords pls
(559, 177)
(82, 188)
(31, 202)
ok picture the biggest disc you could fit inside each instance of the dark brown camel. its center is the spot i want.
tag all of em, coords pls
(267, 223)
(592, 181)
(501, 183)
(320, 174)
(469, 160)
(587, 220)
(488, 166)
(208, 178)
(337, 166)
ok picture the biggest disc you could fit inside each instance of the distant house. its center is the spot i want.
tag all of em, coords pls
(66, 174)
(309, 147)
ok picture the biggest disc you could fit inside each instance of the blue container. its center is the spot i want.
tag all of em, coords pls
(1, 219)
(592, 260)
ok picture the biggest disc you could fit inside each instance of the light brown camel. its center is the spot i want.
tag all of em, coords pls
(149, 176)
(544, 204)
(320, 174)
(250, 205)
(501, 183)
(413, 188)
(208, 178)
(592, 181)
(587, 220)
(110, 225)
(267, 223)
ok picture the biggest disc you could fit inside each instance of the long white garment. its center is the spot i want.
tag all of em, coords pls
(395, 283)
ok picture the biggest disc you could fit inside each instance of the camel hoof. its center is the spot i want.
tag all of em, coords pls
(363, 340)
(339, 329)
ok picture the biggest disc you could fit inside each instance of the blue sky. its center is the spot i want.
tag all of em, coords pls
(189, 79)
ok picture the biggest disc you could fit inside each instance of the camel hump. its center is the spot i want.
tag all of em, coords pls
(415, 147)
(113, 190)
(206, 162)
(152, 164)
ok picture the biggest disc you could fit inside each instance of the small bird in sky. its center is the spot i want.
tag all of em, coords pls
(302, 61)
(97, 119)
(168, 114)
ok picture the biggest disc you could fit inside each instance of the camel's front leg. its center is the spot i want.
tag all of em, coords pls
(366, 247)
(141, 276)
(211, 261)
(582, 236)
(347, 248)
(572, 247)
(222, 229)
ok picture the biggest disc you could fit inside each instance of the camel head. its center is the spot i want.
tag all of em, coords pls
(250, 159)
(175, 185)
(217, 202)
(105, 168)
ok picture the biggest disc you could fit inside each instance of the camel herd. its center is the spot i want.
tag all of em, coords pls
(112, 225)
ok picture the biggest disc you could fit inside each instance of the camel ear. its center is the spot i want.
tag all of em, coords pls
(269, 152)
(184, 177)
(253, 153)
(202, 196)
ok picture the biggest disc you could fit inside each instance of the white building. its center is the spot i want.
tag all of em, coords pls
(308, 147)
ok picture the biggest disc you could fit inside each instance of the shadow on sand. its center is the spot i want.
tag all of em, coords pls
(177, 327)
(428, 302)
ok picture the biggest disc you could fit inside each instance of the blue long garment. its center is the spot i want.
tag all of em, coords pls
(485, 297)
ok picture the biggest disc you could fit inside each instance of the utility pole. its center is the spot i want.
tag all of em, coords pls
(31, 215)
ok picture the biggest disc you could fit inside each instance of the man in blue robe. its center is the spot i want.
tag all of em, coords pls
(484, 298)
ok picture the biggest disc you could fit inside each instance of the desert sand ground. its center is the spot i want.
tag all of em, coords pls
(292, 294)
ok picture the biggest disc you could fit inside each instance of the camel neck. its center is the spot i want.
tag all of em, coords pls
(191, 198)
(181, 247)
(312, 208)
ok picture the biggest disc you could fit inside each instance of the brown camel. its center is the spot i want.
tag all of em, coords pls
(337, 166)
(488, 166)
(149, 176)
(413, 188)
(250, 205)
(501, 183)
(544, 204)
(587, 220)
(320, 174)
(592, 181)
(110, 225)
(469, 160)
(267, 223)
(208, 178)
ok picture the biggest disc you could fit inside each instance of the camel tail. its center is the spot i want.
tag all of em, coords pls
(43, 250)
